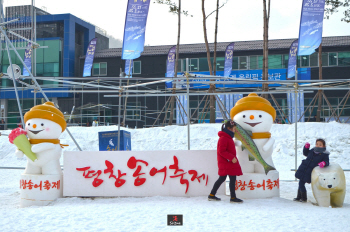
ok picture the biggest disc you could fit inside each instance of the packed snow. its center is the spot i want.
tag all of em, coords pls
(150, 213)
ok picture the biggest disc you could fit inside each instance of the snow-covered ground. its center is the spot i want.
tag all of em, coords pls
(150, 213)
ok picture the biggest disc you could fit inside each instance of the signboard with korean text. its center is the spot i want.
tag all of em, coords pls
(274, 75)
(108, 140)
(140, 173)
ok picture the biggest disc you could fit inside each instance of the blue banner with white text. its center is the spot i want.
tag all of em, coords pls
(292, 60)
(228, 59)
(134, 29)
(89, 58)
(128, 68)
(28, 60)
(311, 23)
(170, 62)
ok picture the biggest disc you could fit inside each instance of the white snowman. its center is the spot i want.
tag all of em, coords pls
(44, 125)
(255, 114)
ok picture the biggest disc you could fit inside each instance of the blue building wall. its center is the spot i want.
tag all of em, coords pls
(70, 22)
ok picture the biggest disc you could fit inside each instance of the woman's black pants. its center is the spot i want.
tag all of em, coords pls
(220, 181)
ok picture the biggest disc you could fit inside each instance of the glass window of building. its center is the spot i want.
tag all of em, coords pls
(275, 61)
(235, 63)
(332, 58)
(314, 59)
(305, 61)
(343, 58)
(203, 64)
(136, 69)
(253, 62)
(99, 69)
(103, 68)
(285, 60)
(220, 63)
(243, 62)
(194, 65)
(324, 59)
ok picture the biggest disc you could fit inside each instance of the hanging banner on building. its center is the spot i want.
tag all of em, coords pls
(89, 58)
(311, 23)
(228, 59)
(292, 60)
(28, 59)
(128, 68)
(291, 106)
(170, 62)
(134, 29)
(181, 114)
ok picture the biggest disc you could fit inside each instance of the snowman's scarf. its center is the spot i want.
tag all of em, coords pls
(261, 135)
(54, 141)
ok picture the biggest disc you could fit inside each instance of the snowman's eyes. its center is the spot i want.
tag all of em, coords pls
(260, 116)
(42, 124)
(243, 116)
(28, 124)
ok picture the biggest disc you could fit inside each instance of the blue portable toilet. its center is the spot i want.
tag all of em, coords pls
(108, 140)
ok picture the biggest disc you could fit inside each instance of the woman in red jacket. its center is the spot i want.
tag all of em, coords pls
(227, 161)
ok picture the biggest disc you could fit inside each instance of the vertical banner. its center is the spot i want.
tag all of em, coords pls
(181, 117)
(89, 58)
(170, 62)
(291, 106)
(301, 106)
(28, 59)
(311, 23)
(220, 106)
(292, 60)
(134, 29)
(228, 59)
(128, 68)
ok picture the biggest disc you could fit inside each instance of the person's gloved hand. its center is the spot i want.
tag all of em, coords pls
(307, 145)
(322, 164)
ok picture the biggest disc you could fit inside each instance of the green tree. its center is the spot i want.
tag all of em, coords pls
(333, 6)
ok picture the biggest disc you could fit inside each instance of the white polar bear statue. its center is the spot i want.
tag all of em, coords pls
(329, 185)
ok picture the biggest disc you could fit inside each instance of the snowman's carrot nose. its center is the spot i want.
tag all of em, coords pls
(34, 126)
(251, 117)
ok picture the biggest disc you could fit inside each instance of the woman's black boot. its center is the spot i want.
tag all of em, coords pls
(298, 196)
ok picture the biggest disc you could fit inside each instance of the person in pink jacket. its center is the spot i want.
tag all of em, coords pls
(227, 161)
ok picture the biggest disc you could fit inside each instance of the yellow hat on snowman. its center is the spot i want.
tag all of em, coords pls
(47, 111)
(253, 102)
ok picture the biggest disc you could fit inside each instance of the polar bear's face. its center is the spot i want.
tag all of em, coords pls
(329, 180)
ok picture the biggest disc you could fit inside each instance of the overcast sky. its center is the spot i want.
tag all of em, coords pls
(238, 20)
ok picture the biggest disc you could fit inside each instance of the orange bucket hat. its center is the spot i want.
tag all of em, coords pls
(253, 102)
(47, 111)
